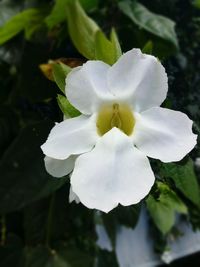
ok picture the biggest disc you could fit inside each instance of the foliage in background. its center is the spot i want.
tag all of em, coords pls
(38, 226)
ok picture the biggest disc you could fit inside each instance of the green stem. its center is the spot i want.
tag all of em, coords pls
(50, 220)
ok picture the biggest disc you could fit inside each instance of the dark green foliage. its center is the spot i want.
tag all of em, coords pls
(38, 227)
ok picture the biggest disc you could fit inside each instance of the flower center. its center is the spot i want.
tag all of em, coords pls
(119, 116)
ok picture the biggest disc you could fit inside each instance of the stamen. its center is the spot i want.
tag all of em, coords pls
(115, 115)
(116, 121)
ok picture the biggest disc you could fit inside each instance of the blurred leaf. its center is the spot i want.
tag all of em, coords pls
(75, 256)
(115, 41)
(8, 8)
(184, 179)
(105, 258)
(106, 50)
(128, 216)
(11, 252)
(28, 20)
(82, 29)
(58, 12)
(148, 48)
(194, 217)
(60, 72)
(196, 3)
(23, 176)
(65, 106)
(158, 25)
(163, 208)
(42, 256)
(61, 256)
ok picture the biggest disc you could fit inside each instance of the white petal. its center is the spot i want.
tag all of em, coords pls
(140, 79)
(73, 196)
(164, 134)
(71, 137)
(86, 86)
(59, 168)
(113, 172)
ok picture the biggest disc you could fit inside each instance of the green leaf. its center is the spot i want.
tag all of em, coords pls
(184, 179)
(8, 9)
(106, 50)
(65, 106)
(28, 20)
(82, 29)
(60, 72)
(23, 175)
(58, 12)
(196, 3)
(148, 48)
(158, 25)
(164, 208)
(116, 45)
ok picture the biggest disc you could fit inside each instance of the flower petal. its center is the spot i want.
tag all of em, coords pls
(113, 172)
(71, 137)
(164, 134)
(86, 86)
(140, 79)
(59, 168)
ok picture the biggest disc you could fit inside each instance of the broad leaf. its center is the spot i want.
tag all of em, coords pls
(82, 29)
(23, 175)
(60, 72)
(196, 3)
(184, 179)
(8, 9)
(158, 25)
(65, 106)
(58, 12)
(28, 20)
(163, 208)
(106, 50)
(115, 41)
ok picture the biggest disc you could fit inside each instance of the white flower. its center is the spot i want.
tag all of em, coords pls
(120, 126)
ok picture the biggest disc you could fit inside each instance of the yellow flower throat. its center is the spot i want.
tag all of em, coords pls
(116, 115)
